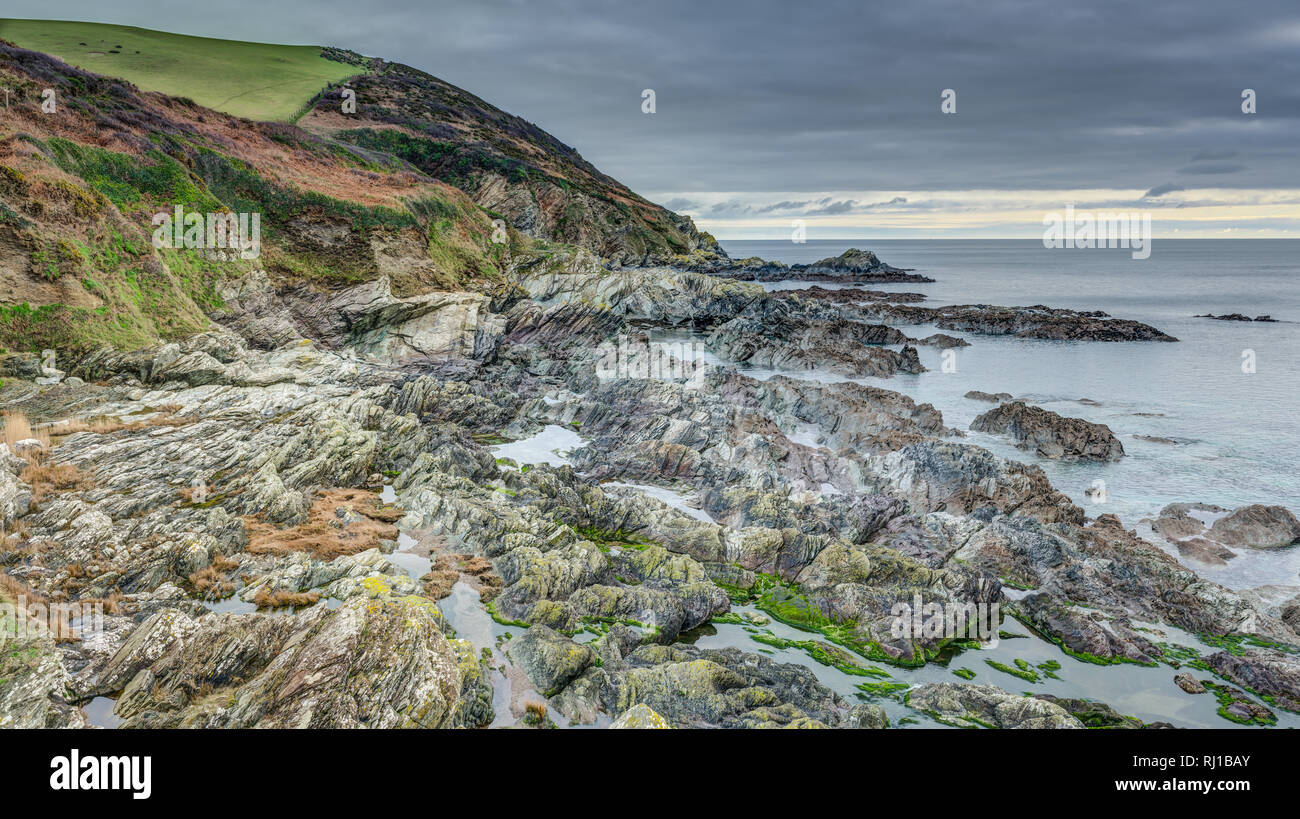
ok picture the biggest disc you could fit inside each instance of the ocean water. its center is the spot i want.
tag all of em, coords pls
(1237, 433)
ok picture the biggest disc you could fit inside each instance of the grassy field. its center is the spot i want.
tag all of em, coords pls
(254, 80)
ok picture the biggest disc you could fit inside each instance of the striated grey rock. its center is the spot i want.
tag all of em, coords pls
(943, 341)
(549, 659)
(1115, 574)
(849, 295)
(1235, 317)
(402, 671)
(1098, 714)
(1086, 632)
(1189, 683)
(726, 688)
(853, 265)
(849, 348)
(15, 496)
(866, 716)
(33, 682)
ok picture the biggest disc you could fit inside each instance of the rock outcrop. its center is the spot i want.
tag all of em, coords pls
(1051, 435)
(987, 706)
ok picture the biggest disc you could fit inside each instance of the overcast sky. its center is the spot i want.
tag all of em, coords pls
(830, 111)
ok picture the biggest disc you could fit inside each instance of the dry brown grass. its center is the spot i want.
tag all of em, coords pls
(323, 534)
(13, 590)
(18, 527)
(18, 428)
(47, 478)
(105, 424)
(283, 599)
(211, 584)
(113, 603)
(447, 569)
(535, 714)
(223, 563)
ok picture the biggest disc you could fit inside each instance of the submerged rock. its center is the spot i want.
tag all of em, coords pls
(991, 397)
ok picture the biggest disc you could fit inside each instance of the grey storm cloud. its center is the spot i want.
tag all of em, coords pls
(843, 206)
(1210, 154)
(681, 203)
(1213, 168)
(1161, 190)
(833, 95)
(785, 205)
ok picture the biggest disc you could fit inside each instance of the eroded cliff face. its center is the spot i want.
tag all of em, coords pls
(82, 189)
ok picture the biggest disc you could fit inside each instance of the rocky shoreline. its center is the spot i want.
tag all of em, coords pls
(221, 497)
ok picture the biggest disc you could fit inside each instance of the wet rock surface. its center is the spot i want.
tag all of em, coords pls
(240, 511)
(1037, 321)
(1049, 434)
(1214, 534)
(987, 706)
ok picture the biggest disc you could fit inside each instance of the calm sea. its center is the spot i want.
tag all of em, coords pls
(1237, 433)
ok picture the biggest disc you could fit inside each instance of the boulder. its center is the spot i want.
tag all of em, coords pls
(969, 706)
(1051, 435)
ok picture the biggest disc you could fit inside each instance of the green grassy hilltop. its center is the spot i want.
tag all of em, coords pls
(254, 80)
